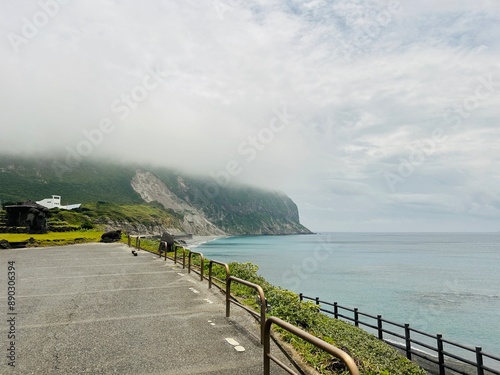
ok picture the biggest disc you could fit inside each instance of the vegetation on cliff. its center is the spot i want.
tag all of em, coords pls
(201, 205)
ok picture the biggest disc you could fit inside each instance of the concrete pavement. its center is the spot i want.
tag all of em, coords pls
(96, 309)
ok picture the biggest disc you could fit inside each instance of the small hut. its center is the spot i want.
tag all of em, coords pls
(28, 214)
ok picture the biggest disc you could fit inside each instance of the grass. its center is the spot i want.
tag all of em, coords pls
(54, 238)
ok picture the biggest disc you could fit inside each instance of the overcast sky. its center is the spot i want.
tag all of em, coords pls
(370, 115)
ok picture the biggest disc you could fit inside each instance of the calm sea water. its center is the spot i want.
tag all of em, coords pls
(444, 283)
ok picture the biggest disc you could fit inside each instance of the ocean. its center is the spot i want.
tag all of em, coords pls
(447, 283)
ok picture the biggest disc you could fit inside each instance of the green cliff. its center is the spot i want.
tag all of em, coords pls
(196, 204)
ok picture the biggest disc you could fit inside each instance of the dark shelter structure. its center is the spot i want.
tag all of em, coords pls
(30, 215)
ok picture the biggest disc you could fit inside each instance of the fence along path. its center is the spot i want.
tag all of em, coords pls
(432, 352)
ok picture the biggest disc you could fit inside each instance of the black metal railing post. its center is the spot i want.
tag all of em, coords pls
(440, 354)
(379, 327)
(408, 341)
(336, 310)
(356, 317)
(479, 360)
(301, 297)
(317, 300)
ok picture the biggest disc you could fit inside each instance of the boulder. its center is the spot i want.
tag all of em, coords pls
(112, 236)
(4, 244)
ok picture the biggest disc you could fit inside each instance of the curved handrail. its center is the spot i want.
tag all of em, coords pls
(202, 265)
(262, 301)
(336, 352)
(183, 255)
(137, 241)
(212, 262)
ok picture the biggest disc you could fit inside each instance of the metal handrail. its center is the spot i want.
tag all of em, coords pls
(202, 265)
(407, 345)
(212, 262)
(137, 242)
(263, 303)
(323, 345)
(183, 255)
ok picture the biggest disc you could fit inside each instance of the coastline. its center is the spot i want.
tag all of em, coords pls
(196, 241)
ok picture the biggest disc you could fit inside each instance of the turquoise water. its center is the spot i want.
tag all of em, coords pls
(444, 283)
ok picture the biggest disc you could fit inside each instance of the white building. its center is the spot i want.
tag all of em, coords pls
(55, 202)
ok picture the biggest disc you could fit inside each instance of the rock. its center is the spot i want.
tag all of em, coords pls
(112, 236)
(4, 244)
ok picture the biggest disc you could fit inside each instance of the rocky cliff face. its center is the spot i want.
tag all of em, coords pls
(195, 204)
(152, 189)
(218, 210)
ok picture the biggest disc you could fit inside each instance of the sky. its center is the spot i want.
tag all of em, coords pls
(370, 115)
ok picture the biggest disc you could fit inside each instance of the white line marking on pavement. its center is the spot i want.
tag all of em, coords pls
(233, 342)
(210, 302)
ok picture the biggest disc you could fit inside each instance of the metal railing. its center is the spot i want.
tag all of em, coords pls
(202, 262)
(334, 351)
(439, 357)
(263, 302)
(265, 324)
(210, 277)
(137, 241)
(183, 255)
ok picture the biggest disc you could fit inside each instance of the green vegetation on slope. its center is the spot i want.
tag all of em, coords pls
(54, 238)
(234, 209)
(150, 215)
(237, 209)
(23, 178)
(102, 214)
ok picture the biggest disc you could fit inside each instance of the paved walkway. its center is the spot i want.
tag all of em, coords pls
(96, 309)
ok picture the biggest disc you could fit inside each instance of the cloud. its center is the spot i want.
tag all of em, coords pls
(366, 89)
